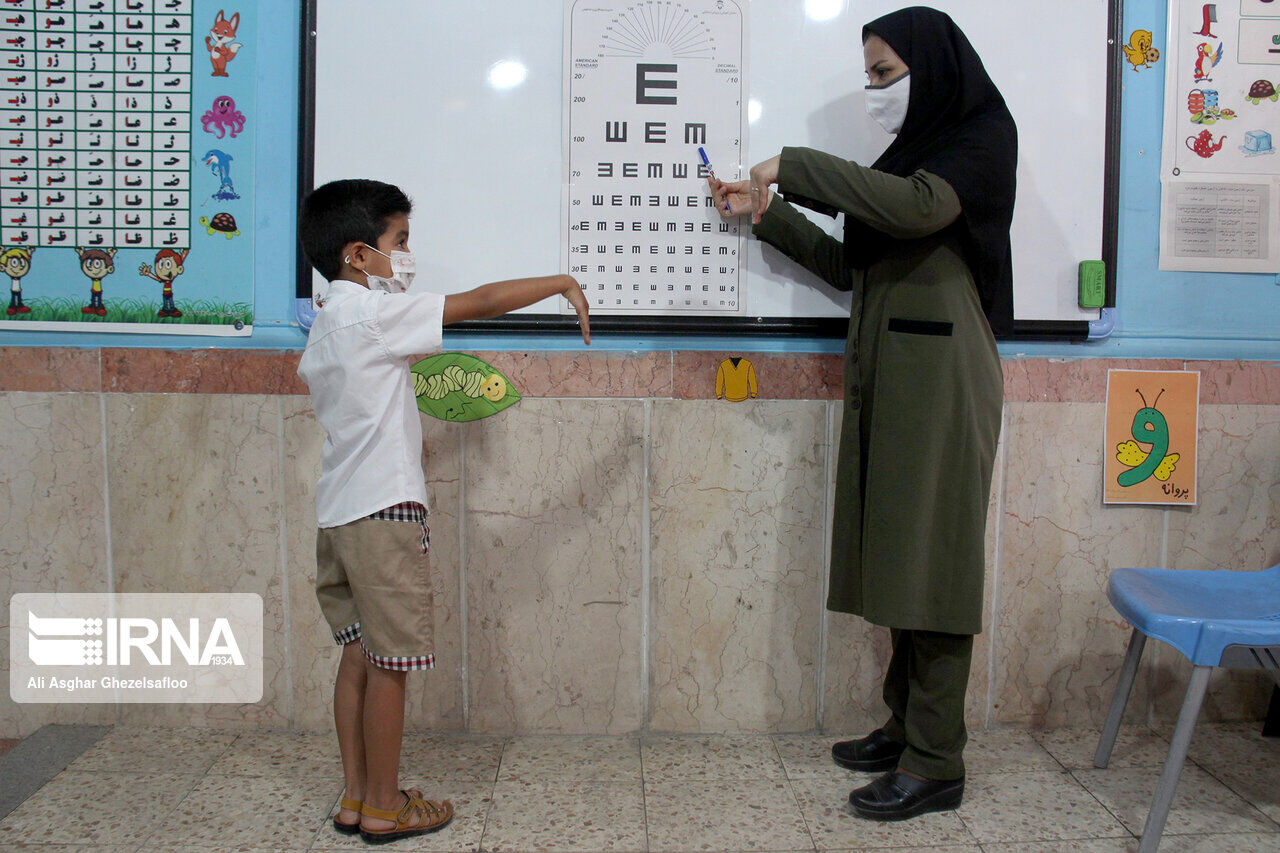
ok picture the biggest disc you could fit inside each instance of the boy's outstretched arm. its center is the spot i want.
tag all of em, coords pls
(502, 297)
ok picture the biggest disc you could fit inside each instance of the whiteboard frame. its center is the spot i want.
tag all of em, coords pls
(787, 327)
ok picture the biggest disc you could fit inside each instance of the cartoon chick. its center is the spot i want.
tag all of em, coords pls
(168, 267)
(1139, 50)
(17, 263)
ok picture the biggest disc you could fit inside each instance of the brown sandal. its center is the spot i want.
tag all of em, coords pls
(348, 828)
(416, 817)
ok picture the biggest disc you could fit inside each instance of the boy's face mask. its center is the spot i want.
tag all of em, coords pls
(403, 267)
(887, 104)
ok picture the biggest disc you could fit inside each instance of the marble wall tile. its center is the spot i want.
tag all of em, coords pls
(1060, 642)
(1243, 382)
(1068, 380)
(201, 371)
(553, 564)
(434, 699)
(585, 374)
(857, 652)
(50, 369)
(737, 554)
(1234, 525)
(52, 525)
(781, 377)
(195, 507)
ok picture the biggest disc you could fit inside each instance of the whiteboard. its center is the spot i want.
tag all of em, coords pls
(405, 93)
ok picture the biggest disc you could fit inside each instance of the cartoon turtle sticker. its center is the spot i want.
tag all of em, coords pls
(1261, 89)
(223, 223)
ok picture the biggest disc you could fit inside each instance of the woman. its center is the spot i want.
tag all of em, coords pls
(926, 255)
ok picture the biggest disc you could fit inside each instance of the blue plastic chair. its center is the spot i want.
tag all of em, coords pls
(1223, 618)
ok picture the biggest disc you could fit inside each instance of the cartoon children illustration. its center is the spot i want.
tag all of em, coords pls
(168, 267)
(17, 263)
(221, 42)
(97, 264)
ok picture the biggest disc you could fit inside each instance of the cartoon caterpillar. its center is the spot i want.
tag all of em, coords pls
(453, 378)
(1149, 427)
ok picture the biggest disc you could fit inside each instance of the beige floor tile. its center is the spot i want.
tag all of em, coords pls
(571, 759)
(1233, 746)
(1202, 804)
(1039, 806)
(451, 757)
(1136, 746)
(470, 800)
(181, 847)
(22, 847)
(1246, 843)
(809, 757)
(686, 758)
(1260, 786)
(750, 814)
(306, 754)
(566, 816)
(1006, 751)
(155, 750)
(834, 826)
(1127, 844)
(946, 848)
(268, 811)
(95, 808)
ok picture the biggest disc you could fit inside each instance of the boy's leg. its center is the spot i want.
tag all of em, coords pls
(348, 715)
(383, 731)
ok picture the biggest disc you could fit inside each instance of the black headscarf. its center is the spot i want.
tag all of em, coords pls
(958, 128)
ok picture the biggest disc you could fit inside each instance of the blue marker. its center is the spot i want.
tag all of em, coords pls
(703, 154)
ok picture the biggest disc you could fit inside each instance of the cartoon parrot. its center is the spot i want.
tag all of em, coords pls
(1139, 51)
(1205, 53)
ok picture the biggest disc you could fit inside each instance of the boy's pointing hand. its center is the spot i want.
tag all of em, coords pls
(579, 302)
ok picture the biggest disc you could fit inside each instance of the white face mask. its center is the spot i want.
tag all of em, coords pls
(887, 104)
(403, 267)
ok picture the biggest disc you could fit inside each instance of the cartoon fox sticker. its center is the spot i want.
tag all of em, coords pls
(221, 42)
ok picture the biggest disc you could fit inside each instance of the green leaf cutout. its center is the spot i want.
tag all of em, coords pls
(457, 387)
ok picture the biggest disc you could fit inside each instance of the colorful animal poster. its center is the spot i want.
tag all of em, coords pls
(1151, 437)
(127, 165)
(1220, 170)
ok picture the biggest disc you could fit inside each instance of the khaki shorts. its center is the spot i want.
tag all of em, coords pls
(374, 585)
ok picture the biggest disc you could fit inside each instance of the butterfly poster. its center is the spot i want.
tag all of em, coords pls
(1152, 426)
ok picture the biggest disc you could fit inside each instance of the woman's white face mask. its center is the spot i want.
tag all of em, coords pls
(887, 104)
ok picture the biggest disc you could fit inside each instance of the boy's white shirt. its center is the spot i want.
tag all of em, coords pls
(356, 365)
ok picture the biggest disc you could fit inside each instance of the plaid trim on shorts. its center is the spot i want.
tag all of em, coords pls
(351, 633)
(408, 511)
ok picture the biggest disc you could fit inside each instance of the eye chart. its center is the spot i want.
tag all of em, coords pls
(122, 138)
(646, 83)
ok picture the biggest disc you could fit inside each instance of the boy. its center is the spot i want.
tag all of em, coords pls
(371, 569)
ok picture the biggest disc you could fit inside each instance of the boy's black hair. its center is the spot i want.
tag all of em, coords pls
(342, 212)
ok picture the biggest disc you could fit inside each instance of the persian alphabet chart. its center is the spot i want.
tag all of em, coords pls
(124, 135)
(1220, 172)
(648, 83)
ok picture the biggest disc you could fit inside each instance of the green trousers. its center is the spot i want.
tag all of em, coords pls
(924, 688)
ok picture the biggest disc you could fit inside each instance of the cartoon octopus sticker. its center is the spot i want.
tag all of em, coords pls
(224, 116)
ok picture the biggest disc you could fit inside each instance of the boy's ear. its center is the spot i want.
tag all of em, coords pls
(355, 255)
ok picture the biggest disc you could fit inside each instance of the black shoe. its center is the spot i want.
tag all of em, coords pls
(874, 753)
(897, 796)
